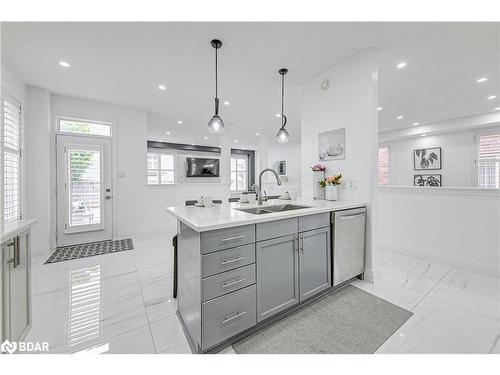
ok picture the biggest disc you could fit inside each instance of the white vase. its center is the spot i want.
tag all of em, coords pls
(318, 191)
(331, 192)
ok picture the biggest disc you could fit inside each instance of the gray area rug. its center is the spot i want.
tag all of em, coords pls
(348, 321)
(90, 249)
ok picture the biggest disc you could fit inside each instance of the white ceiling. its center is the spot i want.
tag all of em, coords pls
(124, 63)
(439, 82)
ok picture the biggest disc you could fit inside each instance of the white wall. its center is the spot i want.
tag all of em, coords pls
(457, 158)
(458, 227)
(291, 153)
(38, 138)
(350, 103)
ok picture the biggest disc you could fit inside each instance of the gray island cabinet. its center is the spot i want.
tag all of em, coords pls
(234, 280)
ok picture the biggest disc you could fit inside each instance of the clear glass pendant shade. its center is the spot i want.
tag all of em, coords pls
(215, 125)
(282, 136)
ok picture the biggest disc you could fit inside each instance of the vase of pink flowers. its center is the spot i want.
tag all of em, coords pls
(318, 176)
(331, 185)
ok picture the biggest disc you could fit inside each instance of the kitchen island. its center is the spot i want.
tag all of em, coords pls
(242, 266)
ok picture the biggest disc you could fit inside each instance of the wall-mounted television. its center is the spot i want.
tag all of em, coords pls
(200, 167)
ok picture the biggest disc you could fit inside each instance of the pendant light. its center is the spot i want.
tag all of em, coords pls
(282, 136)
(216, 124)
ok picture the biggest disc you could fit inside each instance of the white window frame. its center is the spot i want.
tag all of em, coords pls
(247, 163)
(477, 138)
(83, 119)
(388, 165)
(160, 169)
(5, 96)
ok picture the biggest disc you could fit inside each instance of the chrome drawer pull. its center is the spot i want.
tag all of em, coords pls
(229, 261)
(227, 320)
(227, 285)
(232, 238)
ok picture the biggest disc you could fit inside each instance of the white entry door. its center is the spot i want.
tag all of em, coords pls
(84, 190)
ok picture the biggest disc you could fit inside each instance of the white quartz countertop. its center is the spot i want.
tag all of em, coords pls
(13, 228)
(220, 216)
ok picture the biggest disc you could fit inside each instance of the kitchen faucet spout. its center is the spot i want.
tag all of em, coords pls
(259, 187)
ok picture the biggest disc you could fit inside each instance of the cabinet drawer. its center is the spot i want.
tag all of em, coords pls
(278, 228)
(316, 221)
(227, 238)
(227, 260)
(215, 286)
(228, 315)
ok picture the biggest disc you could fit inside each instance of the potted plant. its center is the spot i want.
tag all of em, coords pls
(331, 186)
(318, 176)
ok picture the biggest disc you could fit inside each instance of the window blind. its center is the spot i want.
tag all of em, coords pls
(489, 161)
(383, 166)
(12, 121)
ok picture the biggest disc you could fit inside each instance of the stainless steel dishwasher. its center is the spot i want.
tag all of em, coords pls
(348, 244)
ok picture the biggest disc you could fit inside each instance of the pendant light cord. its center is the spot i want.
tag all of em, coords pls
(283, 117)
(216, 73)
(216, 86)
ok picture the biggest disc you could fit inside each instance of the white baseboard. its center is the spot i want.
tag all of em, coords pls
(438, 257)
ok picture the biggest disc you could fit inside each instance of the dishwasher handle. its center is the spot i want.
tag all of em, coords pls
(347, 217)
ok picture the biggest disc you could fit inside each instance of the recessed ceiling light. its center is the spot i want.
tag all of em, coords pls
(401, 65)
(491, 97)
(205, 137)
(379, 108)
(257, 134)
(168, 133)
(497, 108)
(162, 87)
(192, 144)
(64, 64)
(226, 102)
(415, 123)
(423, 135)
(235, 141)
(278, 114)
(180, 122)
(400, 117)
(482, 79)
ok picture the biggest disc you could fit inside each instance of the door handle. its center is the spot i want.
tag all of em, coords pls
(301, 243)
(108, 197)
(17, 252)
(13, 260)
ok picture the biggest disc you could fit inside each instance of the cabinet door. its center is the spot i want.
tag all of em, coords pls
(19, 315)
(277, 275)
(314, 262)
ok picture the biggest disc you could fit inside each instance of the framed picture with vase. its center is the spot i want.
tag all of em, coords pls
(331, 145)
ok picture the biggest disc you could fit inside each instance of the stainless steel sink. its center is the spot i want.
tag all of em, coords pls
(254, 210)
(284, 207)
(271, 209)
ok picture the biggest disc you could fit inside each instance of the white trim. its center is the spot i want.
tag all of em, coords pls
(80, 119)
(439, 257)
(441, 190)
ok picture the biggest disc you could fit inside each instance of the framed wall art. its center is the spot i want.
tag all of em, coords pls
(427, 159)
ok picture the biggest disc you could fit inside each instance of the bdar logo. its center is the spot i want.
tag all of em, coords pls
(8, 347)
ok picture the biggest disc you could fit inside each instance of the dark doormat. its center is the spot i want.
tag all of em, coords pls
(348, 321)
(90, 249)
